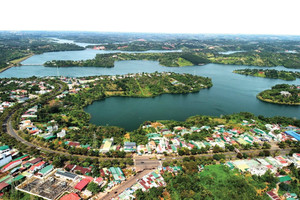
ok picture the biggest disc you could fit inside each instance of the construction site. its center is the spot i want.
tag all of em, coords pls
(51, 187)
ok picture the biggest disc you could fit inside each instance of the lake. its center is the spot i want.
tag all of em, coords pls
(231, 93)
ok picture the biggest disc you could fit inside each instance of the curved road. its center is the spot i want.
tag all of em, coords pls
(12, 132)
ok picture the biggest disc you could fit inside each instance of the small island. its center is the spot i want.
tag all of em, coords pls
(269, 73)
(281, 94)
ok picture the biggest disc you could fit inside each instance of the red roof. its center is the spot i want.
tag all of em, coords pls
(71, 196)
(146, 187)
(89, 178)
(3, 185)
(102, 172)
(33, 131)
(74, 144)
(269, 166)
(99, 180)
(32, 168)
(9, 164)
(83, 170)
(69, 167)
(82, 184)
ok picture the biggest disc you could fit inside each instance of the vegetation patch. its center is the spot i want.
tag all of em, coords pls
(281, 94)
(269, 73)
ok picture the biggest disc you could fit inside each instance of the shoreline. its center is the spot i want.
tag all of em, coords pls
(281, 103)
(254, 75)
(14, 62)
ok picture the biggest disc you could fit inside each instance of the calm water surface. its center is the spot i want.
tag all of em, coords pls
(230, 93)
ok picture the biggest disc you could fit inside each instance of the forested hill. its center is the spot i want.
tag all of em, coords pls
(269, 73)
(281, 94)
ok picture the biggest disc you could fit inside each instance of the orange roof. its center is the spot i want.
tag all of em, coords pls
(71, 196)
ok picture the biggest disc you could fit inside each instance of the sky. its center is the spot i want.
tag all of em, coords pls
(156, 16)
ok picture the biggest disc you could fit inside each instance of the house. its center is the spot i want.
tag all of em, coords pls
(34, 161)
(82, 184)
(99, 181)
(273, 196)
(82, 170)
(293, 134)
(3, 185)
(285, 93)
(72, 144)
(37, 166)
(129, 146)
(117, 174)
(284, 179)
(5, 158)
(62, 133)
(71, 196)
(11, 165)
(106, 145)
(141, 149)
(152, 145)
(46, 170)
(66, 175)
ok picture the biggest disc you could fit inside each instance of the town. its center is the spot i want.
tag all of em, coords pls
(239, 142)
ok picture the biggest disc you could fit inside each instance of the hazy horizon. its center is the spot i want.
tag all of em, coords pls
(191, 17)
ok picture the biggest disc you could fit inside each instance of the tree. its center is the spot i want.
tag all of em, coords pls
(267, 153)
(266, 145)
(93, 187)
(239, 155)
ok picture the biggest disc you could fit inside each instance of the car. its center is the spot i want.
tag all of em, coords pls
(142, 162)
(116, 192)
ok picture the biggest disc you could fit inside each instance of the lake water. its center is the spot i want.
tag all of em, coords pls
(231, 93)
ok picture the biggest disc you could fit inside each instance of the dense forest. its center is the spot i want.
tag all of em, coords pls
(281, 94)
(269, 73)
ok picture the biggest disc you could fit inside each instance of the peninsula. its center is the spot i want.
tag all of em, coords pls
(281, 94)
(269, 73)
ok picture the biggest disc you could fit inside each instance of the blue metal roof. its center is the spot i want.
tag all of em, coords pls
(293, 134)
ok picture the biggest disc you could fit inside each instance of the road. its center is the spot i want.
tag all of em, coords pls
(145, 162)
(13, 133)
(123, 186)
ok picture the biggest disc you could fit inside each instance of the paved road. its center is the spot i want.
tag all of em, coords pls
(144, 162)
(13, 133)
(127, 184)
